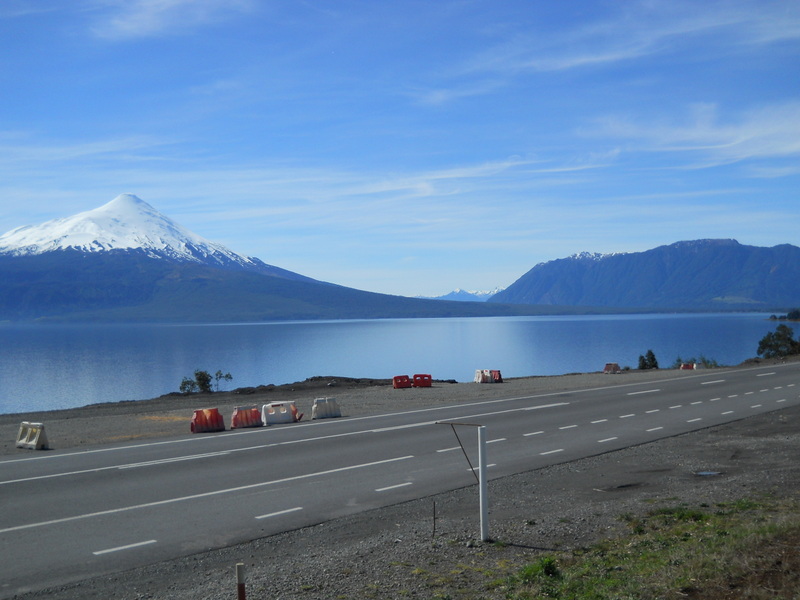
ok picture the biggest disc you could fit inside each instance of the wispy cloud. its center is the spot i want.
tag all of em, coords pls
(143, 18)
(708, 140)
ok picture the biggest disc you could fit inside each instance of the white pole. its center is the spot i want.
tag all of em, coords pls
(484, 498)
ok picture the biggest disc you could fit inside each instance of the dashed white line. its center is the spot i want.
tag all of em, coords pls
(611, 439)
(677, 406)
(627, 416)
(450, 449)
(599, 421)
(654, 429)
(532, 433)
(280, 512)
(643, 392)
(715, 399)
(496, 440)
(568, 427)
(694, 420)
(121, 548)
(765, 374)
(711, 382)
(655, 410)
(698, 402)
(393, 487)
(781, 400)
(756, 406)
(551, 452)
(728, 412)
(733, 396)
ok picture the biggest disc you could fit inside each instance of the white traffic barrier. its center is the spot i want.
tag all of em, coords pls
(279, 412)
(325, 408)
(32, 436)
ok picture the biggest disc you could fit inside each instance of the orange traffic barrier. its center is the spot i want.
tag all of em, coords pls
(247, 416)
(206, 420)
(422, 380)
(401, 381)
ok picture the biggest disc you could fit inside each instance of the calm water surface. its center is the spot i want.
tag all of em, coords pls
(44, 367)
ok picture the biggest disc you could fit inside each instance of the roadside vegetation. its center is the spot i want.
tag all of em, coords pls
(202, 382)
(744, 549)
(779, 343)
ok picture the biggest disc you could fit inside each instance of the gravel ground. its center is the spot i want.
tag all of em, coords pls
(402, 551)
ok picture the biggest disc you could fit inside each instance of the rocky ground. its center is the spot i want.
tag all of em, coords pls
(403, 551)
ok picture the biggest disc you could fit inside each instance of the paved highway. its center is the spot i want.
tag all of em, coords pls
(68, 515)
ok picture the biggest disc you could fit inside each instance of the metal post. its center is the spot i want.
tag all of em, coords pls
(484, 497)
(241, 593)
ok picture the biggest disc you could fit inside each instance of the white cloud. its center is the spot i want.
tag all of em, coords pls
(142, 18)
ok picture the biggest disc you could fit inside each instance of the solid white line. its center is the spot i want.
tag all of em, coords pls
(611, 439)
(172, 460)
(128, 547)
(532, 433)
(643, 392)
(251, 486)
(280, 512)
(654, 429)
(393, 487)
(711, 382)
(551, 452)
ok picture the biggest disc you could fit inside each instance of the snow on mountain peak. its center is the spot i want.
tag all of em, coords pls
(125, 223)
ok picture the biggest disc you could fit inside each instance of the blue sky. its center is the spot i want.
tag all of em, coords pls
(409, 147)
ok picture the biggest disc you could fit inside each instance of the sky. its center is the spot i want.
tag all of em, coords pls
(409, 147)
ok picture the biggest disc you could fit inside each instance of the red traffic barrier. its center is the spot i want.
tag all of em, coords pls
(422, 380)
(248, 416)
(401, 381)
(206, 420)
(496, 376)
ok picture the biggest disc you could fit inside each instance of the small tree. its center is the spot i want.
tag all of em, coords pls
(219, 375)
(648, 361)
(779, 343)
(200, 383)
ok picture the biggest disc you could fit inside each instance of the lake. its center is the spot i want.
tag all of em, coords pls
(44, 367)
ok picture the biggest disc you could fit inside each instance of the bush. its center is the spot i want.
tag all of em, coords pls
(648, 361)
(779, 343)
(202, 382)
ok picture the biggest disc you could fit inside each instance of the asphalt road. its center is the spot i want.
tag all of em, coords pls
(68, 515)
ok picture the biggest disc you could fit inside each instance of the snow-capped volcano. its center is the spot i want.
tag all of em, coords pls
(125, 223)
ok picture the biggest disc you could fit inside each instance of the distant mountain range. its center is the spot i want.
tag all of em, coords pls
(692, 275)
(125, 261)
(459, 295)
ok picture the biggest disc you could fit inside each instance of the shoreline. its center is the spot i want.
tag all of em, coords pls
(169, 416)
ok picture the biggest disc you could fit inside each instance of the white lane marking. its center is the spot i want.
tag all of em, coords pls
(121, 548)
(650, 412)
(611, 439)
(393, 487)
(113, 511)
(496, 440)
(790, 385)
(551, 452)
(733, 396)
(172, 460)
(698, 402)
(541, 406)
(727, 412)
(756, 406)
(599, 421)
(450, 449)
(781, 400)
(532, 433)
(712, 382)
(643, 392)
(694, 420)
(778, 387)
(715, 399)
(677, 406)
(568, 427)
(765, 390)
(765, 374)
(473, 469)
(654, 429)
(280, 512)
(627, 416)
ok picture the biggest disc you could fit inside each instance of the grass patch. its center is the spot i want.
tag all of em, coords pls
(744, 549)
